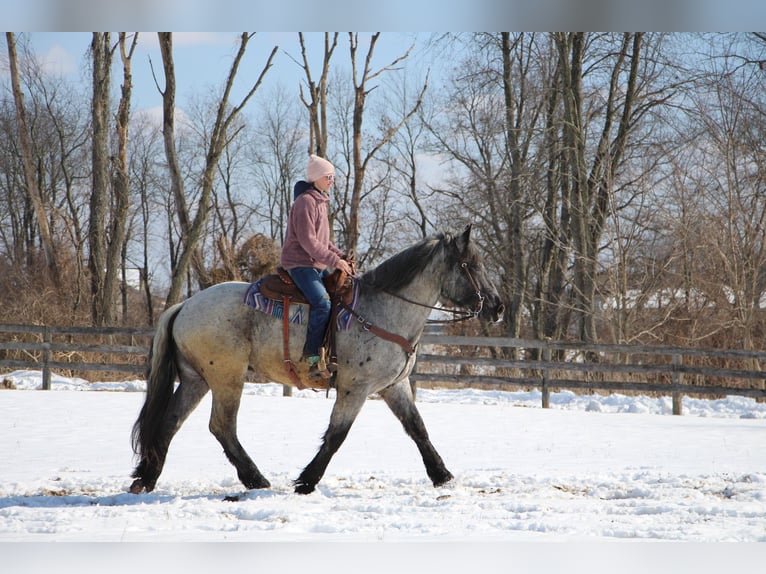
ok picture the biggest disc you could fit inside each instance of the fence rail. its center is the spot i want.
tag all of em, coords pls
(457, 360)
(442, 360)
(37, 346)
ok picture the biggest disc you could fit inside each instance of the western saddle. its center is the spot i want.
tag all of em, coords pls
(280, 287)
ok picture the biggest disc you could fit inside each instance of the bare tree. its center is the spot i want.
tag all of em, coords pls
(101, 52)
(729, 178)
(112, 224)
(593, 176)
(403, 161)
(316, 103)
(68, 167)
(361, 81)
(517, 137)
(277, 160)
(490, 130)
(33, 189)
(231, 214)
(110, 198)
(192, 229)
(145, 177)
(117, 250)
(549, 308)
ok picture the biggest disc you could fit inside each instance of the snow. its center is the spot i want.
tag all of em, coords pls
(590, 468)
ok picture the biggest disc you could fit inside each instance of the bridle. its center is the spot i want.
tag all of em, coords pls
(409, 348)
(458, 314)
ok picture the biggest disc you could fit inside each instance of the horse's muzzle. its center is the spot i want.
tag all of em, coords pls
(493, 310)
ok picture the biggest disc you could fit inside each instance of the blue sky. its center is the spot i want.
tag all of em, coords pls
(203, 59)
(402, 15)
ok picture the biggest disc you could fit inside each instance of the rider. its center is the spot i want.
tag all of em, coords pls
(308, 253)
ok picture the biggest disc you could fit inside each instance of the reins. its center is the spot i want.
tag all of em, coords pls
(382, 333)
(408, 347)
(458, 314)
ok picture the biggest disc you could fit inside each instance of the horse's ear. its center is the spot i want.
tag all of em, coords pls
(464, 239)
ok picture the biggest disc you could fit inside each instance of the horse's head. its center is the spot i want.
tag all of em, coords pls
(467, 284)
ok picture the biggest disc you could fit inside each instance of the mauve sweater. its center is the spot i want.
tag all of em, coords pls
(308, 233)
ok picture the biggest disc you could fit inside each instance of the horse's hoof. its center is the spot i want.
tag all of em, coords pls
(138, 487)
(257, 482)
(303, 488)
(444, 479)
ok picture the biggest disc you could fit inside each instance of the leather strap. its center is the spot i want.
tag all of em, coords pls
(289, 367)
(382, 333)
(336, 299)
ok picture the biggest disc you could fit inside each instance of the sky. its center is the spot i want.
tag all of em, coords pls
(491, 15)
(203, 60)
(590, 485)
(204, 41)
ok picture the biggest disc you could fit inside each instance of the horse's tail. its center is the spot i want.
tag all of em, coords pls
(161, 372)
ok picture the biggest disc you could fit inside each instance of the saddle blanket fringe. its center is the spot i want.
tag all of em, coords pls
(255, 299)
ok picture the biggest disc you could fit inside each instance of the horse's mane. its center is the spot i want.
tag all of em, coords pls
(398, 271)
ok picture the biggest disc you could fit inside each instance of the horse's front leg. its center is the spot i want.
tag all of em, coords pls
(346, 408)
(399, 399)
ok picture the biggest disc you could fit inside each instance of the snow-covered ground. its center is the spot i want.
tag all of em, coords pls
(591, 468)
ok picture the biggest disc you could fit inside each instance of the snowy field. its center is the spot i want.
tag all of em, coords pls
(591, 468)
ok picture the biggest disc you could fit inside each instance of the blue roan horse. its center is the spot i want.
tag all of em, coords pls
(212, 339)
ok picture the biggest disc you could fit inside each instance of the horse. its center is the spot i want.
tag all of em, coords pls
(210, 341)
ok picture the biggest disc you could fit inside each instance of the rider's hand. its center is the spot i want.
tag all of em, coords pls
(345, 267)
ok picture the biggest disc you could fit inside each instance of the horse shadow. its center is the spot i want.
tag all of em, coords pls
(73, 497)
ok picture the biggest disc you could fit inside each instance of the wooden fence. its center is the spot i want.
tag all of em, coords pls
(666, 370)
(495, 362)
(76, 349)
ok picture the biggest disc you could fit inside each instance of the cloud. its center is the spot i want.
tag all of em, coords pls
(148, 117)
(151, 118)
(58, 61)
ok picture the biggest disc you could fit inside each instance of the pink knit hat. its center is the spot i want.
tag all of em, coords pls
(317, 168)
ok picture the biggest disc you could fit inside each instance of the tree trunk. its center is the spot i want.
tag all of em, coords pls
(33, 190)
(549, 291)
(516, 216)
(358, 162)
(120, 186)
(97, 263)
(360, 96)
(176, 180)
(591, 191)
(317, 105)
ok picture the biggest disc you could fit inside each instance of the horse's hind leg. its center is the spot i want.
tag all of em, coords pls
(187, 396)
(399, 399)
(344, 412)
(223, 425)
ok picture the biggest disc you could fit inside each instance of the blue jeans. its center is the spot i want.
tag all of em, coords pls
(309, 281)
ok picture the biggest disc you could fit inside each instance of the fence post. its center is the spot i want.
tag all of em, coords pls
(546, 391)
(287, 391)
(46, 358)
(678, 378)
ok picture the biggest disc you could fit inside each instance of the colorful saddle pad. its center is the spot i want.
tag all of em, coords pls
(298, 315)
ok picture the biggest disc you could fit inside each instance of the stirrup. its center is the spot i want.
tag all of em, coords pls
(315, 373)
(327, 363)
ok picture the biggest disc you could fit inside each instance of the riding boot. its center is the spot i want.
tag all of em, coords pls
(318, 368)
